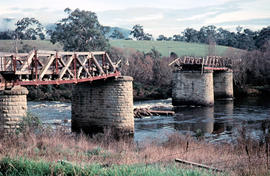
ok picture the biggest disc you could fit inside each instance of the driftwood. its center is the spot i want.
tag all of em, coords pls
(141, 112)
(198, 165)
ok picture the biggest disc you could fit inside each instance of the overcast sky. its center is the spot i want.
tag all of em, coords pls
(166, 17)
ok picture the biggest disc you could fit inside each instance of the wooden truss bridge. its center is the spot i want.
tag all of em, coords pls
(40, 67)
(205, 63)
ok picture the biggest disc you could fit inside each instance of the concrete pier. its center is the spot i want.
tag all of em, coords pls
(193, 88)
(223, 85)
(105, 104)
(13, 107)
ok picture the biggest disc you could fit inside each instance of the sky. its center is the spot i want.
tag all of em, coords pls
(167, 17)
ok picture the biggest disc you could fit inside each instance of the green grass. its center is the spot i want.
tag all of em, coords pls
(28, 167)
(164, 47)
(9, 45)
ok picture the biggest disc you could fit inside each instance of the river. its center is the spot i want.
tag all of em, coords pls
(217, 124)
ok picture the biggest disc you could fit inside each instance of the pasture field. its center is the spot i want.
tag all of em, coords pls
(164, 47)
(180, 48)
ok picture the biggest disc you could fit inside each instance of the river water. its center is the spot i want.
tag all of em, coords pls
(217, 124)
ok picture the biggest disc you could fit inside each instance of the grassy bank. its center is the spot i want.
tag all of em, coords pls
(39, 168)
(117, 157)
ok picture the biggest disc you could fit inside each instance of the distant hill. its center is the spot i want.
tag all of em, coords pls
(164, 47)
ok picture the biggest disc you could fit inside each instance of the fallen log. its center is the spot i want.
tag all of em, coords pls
(162, 112)
(141, 112)
(198, 165)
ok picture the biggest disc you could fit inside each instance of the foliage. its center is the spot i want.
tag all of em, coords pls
(29, 29)
(254, 68)
(30, 123)
(242, 39)
(80, 31)
(151, 73)
(178, 37)
(7, 35)
(191, 35)
(138, 33)
(162, 37)
(117, 34)
(262, 38)
(50, 92)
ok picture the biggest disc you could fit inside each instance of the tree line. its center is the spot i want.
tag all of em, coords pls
(243, 38)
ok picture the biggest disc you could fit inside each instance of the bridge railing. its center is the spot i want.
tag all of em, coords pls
(52, 67)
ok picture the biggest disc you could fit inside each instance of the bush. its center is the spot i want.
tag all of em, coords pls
(30, 123)
(151, 73)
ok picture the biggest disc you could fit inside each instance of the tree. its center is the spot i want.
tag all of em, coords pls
(226, 38)
(246, 39)
(117, 34)
(138, 33)
(147, 36)
(207, 34)
(7, 35)
(178, 37)
(80, 31)
(161, 37)
(154, 53)
(191, 35)
(262, 38)
(29, 29)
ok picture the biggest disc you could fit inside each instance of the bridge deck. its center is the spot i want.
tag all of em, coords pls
(50, 67)
(208, 63)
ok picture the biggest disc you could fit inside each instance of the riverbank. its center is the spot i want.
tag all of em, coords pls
(246, 157)
(40, 168)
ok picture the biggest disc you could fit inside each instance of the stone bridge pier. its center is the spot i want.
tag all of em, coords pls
(101, 105)
(194, 87)
(13, 107)
(223, 84)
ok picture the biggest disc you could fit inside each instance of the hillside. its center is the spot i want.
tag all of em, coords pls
(164, 47)
(180, 48)
(9, 45)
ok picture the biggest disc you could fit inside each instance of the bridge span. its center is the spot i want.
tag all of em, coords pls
(101, 97)
(40, 67)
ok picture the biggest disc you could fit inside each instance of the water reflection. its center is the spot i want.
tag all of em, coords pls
(223, 114)
(195, 119)
(212, 120)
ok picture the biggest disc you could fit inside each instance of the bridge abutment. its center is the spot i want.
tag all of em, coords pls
(13, 107)
(106, 104)
(223, 84)
(192, 88)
